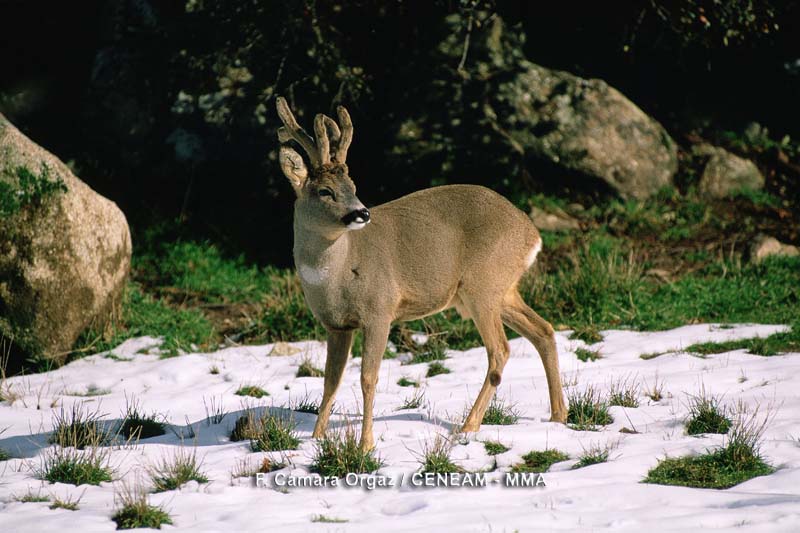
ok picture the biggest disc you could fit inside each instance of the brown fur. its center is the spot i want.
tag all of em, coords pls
(461, 246)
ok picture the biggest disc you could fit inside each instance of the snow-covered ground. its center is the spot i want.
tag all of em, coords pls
(606, 496)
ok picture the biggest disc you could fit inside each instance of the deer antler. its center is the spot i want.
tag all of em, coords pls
(347, 134)
(292, 130)
(319, 153)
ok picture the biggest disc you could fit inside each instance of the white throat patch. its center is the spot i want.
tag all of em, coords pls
(313, 276)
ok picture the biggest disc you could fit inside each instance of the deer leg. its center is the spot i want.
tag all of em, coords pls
(494, 338)
(525, 321)
(375, 339)
(339, 344)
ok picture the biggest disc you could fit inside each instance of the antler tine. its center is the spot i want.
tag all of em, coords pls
(347, 134)
(293, 130)
(323, 144)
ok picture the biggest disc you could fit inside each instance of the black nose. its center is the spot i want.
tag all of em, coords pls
(359, 215)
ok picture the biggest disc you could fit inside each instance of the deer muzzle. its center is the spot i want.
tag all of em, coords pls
(356, 219)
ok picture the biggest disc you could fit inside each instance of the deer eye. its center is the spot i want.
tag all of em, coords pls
(326, 192)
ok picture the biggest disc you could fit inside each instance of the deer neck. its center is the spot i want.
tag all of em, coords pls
(320, 257)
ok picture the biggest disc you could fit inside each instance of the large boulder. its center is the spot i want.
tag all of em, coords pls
(725, 173)
(65, 251)
(764, 246)
(589, 128)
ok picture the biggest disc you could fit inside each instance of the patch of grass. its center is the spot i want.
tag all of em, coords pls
(500, 413)
(305, 405)
(655, 391)
(764, 346)
(134, 511)
(588, 333)
(338, 453)
(245, 427)
(651, 355)
(69, 465)
(69, 504)
(539, 461)
(171, 473)
(78, 427)
(274, 432)
(587, 355)
(253, 391)
(182, 329)
(308, 370)
(436, 457)
(214, 370)
(595, 454)
(244, 467)
(738, 460)
(707, 414)
(436, 368)
(433, 350)
(137, 425)
(757, 197)
(30, 497)
(91, 390)
(323, 519)
(587, 410)
(624, 392)
(414, 401)
(405, 382)
(494, 447)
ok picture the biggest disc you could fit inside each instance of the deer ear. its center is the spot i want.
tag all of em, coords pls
(293, 167)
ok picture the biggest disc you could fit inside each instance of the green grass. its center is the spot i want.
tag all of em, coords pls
(30, 497)
(405, 382)
(765, 346)
(587, 355)
(414, 401)
(738, 460)
(273, 432)
(323, 519)
(494, 447)
(245, 427)
(78, 427)
(436, 368)
(181, 328)
(433, 350)
(4, 455)
(624, 392)
(134, 511)
(436, 457)
(171, 473)
(539, 461)
(707, 414)
(305, 405)
(69, 465)
(587, 410)
(338, 453)
(588, 333)
(69, 504)
(254, 391)
(500, 413)
(596, 454)
(308, 370)
(138, 425)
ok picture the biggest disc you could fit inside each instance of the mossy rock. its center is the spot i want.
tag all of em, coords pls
(65, 252)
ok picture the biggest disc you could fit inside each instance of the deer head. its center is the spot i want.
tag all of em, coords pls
(326, 196)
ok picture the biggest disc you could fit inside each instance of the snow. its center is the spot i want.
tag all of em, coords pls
(606, 496)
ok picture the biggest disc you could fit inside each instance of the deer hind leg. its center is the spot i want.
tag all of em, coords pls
(490, 327)
(525, 321)
(375, 339)
(339, 344)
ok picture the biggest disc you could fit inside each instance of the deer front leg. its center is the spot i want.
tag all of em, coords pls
(375, 338)
(339, 344)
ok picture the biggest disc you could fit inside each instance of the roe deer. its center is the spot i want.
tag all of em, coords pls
(461, 246)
